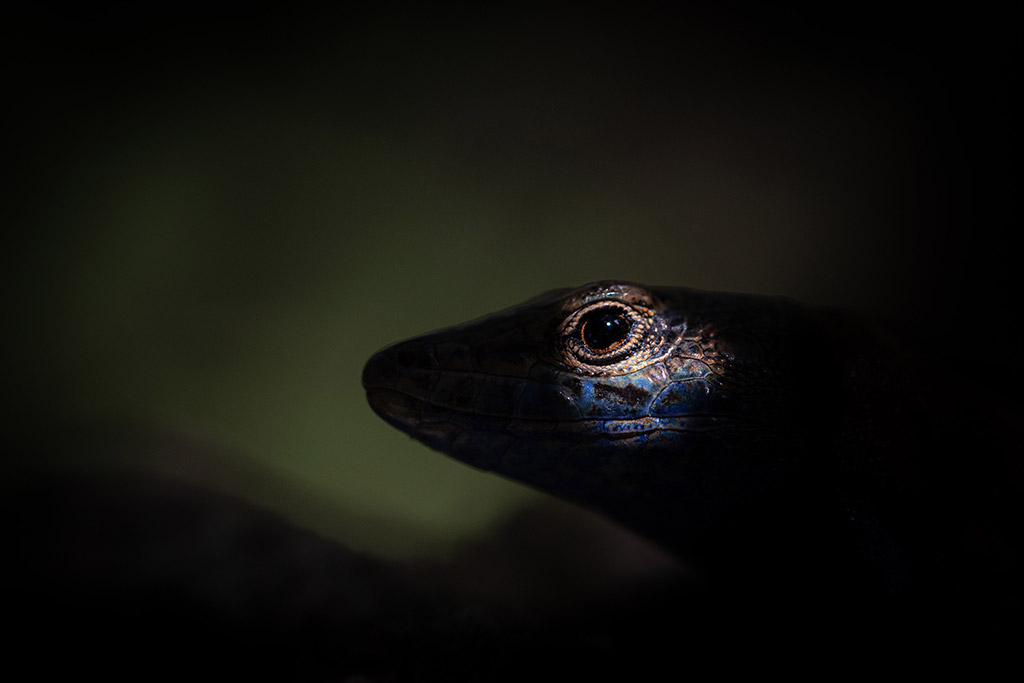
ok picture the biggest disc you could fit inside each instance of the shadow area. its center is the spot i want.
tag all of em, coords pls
(136, 573)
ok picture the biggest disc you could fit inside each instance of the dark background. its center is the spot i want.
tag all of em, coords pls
(217, 211)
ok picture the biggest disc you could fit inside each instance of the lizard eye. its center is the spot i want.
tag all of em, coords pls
(609, 338)
(604, 329)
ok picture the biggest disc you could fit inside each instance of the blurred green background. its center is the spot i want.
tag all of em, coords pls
(218, 212)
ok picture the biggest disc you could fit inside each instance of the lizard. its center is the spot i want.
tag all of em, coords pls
(783, 449)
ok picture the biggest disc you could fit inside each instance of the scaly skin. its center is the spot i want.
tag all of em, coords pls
(751, 435)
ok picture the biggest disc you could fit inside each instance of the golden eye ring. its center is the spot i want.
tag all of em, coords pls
(609, 337)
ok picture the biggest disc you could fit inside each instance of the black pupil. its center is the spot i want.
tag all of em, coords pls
(602, 330)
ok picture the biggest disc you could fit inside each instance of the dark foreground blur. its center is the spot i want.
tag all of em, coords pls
(132, 573)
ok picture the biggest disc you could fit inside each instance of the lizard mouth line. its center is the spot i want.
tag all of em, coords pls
(410, 414)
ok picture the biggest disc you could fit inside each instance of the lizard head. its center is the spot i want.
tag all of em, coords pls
(660, 407)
